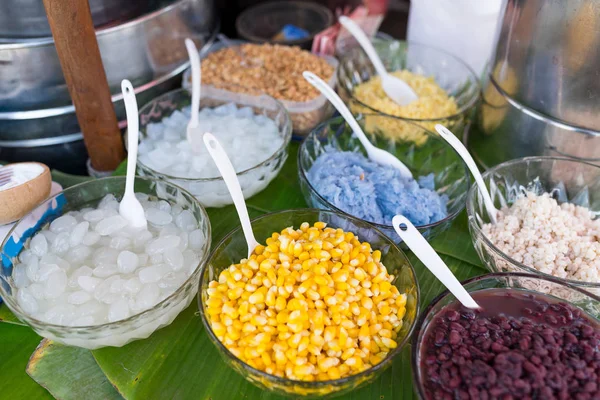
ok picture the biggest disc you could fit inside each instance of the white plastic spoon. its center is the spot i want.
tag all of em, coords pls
(227, 171)
(378, 155)
(193, 128)
(424, 252)
(130, 208)
(396, 89)
(464, 153)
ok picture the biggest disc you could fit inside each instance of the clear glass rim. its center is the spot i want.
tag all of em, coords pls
(416, 342)
(314, 384)
(302, 172)
(135, 317)
(462, 110)
(471, 215)
(286, 133)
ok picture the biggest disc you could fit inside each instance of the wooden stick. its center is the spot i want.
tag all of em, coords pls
(79, 55)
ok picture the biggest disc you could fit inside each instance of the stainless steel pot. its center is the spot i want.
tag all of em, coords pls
(141, 50)
(27, 18)
(505, 129)
(541, 94)
(548, 58)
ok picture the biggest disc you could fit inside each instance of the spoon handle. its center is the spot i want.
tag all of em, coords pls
(466, 156)
(227, 171)
(196, 79)
(365, 43)
(339, 105)
(133, 129)
(424, 252)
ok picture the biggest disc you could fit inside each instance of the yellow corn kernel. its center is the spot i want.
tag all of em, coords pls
(256, 297)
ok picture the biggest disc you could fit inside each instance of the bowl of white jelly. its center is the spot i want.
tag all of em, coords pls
(253, 128)
(77, 273)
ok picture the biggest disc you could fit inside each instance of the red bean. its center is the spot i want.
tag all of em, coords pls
(534, 349)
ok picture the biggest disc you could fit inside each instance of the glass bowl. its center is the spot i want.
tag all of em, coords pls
(233, 248)
(212, 192)
(588, 302)
(568, 180)
(262, 22)
(451, 74)
(305, 115)
(89, 194)
(432, 155)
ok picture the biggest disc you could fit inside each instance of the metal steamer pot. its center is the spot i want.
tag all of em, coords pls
(37, 118)
(542, 89)
(27, 18)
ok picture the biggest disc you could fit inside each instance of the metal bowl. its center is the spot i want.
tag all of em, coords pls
(27, 18)
(141, 50)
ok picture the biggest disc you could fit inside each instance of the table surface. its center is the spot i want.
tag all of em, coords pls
(179, 361)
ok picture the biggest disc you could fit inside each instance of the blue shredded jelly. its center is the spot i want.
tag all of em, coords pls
(375, 192)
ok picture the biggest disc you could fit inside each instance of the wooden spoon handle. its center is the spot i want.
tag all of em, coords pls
(79, 55)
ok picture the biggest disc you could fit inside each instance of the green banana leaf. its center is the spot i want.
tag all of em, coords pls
(69, 373)
(179, 361)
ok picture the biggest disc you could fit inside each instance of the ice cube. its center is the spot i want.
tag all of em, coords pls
(79, 297)
(174, 258)
(151, 274)
(88, 283)
(63, 224)
(78, 233)
(81, 271)
(105, 270)
(196, 239)
(78, 254)
(110, 225)
(27, 302)
(120, 243)
(61, 243)
(102, 292)
(132, 285)
(159, 245)
(56, 284)
(39, 245)
(127, 262)
(118, 310)
(147, 296)
(186, 221)
(19, 276)
(91, 238)
(158, 217)
(94, 216)
(109, 202)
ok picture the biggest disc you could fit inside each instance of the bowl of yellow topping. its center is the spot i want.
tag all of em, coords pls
(448, 89)
(322, 306)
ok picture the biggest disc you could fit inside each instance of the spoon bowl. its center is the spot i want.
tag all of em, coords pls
(466, 156)
(395, 88)
(130, 208)
(226, 169)
(424, 252)
(378, 155)
(193, 128)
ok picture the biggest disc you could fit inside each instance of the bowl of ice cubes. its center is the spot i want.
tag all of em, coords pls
(78, 273)
(253, 128)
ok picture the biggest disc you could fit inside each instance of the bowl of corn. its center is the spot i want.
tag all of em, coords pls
(322, 306)
(448, 89)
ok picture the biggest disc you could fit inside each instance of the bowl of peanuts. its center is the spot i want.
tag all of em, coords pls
(547, 221)
(322, 306)
(448, 89)
(275, 70)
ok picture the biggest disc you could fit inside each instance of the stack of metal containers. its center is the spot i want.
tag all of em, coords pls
(142, 41)
(542, 92)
